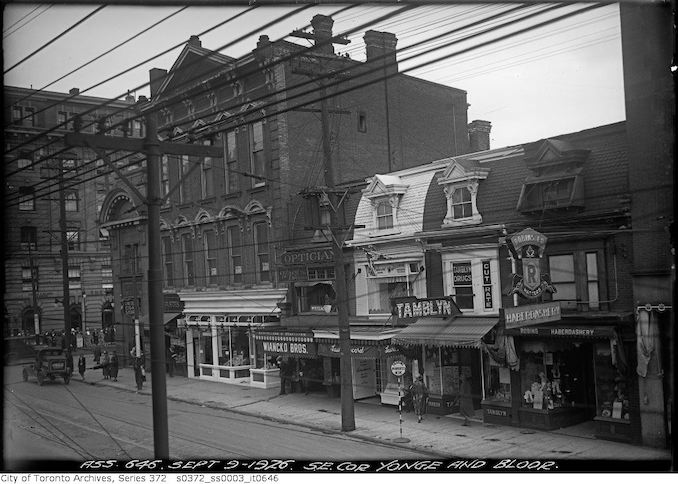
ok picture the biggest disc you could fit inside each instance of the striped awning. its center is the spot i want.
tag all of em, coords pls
(283, 335)
(462, 331)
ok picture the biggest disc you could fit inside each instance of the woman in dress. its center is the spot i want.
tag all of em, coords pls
(419, 397)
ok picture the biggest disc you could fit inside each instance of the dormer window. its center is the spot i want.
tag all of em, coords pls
(460, 183)
(384, 215)
(556, 181)
(461, 203)
(385, 193)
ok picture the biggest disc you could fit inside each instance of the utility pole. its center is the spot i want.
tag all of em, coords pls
(34, 291)
(153, 149)
(64, 257)
(311, 66)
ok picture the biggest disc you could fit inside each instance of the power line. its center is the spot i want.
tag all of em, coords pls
(45, 45)
(6, 31)
(117, 46)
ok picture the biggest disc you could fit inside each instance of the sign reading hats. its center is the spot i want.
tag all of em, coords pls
(528, 246)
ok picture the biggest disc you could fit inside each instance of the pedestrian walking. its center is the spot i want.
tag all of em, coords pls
(106, 365)
(419, 393)
(466, 399)
(82, 364)
(139, 372)
(171, 361)
(285, 375)
(114, 366)
(97, 354)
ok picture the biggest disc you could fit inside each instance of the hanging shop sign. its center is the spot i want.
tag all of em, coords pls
(409, 309)
(172, 303)
(306, 257)
(532, 314)
(528, 246)
(293, 348)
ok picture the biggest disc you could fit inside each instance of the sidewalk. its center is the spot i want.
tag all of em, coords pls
(440, 435)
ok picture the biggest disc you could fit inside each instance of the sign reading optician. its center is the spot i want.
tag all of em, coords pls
(532, 314)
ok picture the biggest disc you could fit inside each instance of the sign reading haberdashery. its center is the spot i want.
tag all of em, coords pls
(528, 247)
(520, 316)
(413, 308)
(563, 331)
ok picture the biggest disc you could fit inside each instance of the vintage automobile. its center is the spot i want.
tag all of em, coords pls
(50, 363)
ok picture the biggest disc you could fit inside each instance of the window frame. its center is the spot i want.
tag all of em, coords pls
(167, 261)
(27, 199)
(234, 254)
(73, 239)
(29, 237)
(209, 241)
(188, 261)
(465, 296)
(464, 205)
(257, 155)
(72, 200)
(262, 257)
(231, 162)
(206, 170)
(380, 217)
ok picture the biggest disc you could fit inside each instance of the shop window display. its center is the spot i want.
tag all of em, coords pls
(611, 388)
(543, 386)
(497, 383)
(234, 347)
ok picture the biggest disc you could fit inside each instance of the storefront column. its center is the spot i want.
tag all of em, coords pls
(516, 397)
(215, 342)
(190, 369)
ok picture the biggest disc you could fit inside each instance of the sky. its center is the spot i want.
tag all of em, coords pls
(560, 78)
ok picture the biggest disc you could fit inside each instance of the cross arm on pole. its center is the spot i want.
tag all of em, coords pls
(102, 154)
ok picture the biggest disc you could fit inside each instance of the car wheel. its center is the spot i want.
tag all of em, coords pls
(25, 374)
(41, 378)
(67, 378)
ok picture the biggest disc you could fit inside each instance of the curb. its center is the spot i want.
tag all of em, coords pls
(269, 418)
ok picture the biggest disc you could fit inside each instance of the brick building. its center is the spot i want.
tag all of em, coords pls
(33, 261)
(227, 221)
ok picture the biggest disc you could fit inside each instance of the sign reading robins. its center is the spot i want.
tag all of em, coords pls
(528, 246)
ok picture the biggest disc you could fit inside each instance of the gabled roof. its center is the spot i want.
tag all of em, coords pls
(461, 169)
(193, 63)
(385, 185)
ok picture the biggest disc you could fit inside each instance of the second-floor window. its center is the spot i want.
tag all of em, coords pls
(257, 158)
(106, 277)
(74, 278)
(73, 239)
(71, 197)
(206, 175)
(210, 252)
(131, 259)
(29, 238)
(234, 254)
(184, 187)
(262, 251)
(231, 162)
(29, 278)
(164, 177)
(462, 280)
(167, 262)
(189, 268)
(576, 289)
(26, 198)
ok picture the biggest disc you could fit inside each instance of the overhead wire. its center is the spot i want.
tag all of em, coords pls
(455, 41)
(6, 32)
(112, 49)
(54, 39)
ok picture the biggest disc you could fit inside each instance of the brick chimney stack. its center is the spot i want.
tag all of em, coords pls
(322, 31)
(195, 41)
(157, 76)
(479, 135)
(381, 47)
(74, 91)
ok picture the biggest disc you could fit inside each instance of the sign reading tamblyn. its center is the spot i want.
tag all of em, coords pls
(416, 308)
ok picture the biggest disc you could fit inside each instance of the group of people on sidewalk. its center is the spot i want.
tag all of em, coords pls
(108, 365)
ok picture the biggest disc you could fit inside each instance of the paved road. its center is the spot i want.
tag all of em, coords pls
(81, 421)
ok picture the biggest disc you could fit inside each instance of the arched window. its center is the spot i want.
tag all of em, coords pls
(384, 215)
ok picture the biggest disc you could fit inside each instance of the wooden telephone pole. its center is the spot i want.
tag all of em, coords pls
(153, 149)
(312, 66)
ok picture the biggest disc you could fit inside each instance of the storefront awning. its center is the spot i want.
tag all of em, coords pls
(170, 317)
(462, 331)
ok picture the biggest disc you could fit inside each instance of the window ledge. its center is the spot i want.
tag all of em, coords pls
(208, 201)
(228, 196)
(460, 222)
(383, 233)
(257, 189)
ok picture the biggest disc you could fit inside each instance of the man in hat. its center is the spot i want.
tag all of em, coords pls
(284, 374)
(419, 397)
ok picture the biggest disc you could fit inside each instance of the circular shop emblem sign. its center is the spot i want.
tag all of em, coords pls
(398, 368)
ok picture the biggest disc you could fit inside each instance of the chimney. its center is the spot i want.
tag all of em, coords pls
(157, 77)
(381, 47)
(194, 40)
(74, 91)
(264, 48)
(322, 32)
(479, 135)
(129, 98)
